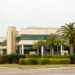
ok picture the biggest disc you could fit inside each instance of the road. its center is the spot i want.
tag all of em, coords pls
(46, 71)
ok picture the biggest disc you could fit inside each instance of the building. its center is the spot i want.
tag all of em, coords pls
(3, 47)
(22, 41)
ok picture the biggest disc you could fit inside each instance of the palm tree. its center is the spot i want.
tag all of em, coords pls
(38, 45)
(57, 43)
(62, 40)
(51, 41)
(69, 31)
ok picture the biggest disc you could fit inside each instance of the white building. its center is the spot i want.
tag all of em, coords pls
(3, 47)
(22, 41)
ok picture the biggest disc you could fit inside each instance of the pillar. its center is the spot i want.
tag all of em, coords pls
(22, 49)
(42, 48)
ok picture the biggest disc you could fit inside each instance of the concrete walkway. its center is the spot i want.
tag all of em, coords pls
(46, 71)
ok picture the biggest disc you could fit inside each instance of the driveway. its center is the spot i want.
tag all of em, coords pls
(46, 71)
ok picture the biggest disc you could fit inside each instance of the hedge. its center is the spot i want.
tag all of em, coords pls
(33, 59)
(31, 56)
(42, 61)
(10, 58)
(60, 56)
(59, 61)
(72, 58)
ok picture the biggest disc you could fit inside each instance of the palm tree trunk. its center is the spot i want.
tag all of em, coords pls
(71, 49)
(52, 51)
(37, 51)
(61, 49)
(57, 50)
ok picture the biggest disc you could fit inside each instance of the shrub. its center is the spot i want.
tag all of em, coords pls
(60, 56)
(22, 61)
(5, 59)
(72, 59)
(56, 56)
(28, 61)
(12, 58)
(47, 56)
(1, 59)
(33, 61)
(31, 56)
(59, 61)
(42, 61)
(45, 61)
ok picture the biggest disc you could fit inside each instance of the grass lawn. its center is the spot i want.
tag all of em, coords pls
(35, 66)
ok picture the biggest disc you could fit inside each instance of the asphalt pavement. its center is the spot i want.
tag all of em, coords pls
(45, 71)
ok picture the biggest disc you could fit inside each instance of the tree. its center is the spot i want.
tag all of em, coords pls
(51, 41)
(69, 31)
(38, 45)
(62, 40)
(57, 43)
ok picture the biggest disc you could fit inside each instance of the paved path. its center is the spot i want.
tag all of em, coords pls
(47, 71)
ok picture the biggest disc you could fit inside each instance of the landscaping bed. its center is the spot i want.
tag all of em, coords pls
(35, 60)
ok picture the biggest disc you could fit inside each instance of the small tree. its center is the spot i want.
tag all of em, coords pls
(62, 40)
(51, 41)
(38, 45)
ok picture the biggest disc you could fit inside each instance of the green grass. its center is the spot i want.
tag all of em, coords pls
(35, 66)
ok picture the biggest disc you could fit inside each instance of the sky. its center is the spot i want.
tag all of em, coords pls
(35, 13)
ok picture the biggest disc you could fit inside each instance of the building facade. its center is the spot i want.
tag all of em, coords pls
(3, 47)
(22, 41)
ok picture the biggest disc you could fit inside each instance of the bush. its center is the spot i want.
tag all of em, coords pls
(59, 61)
(45, 61)
(42, 61)
(33, 61)
(47, 56)
(72, 59)
(12, 58)
(56, 56)
(1, 59)
(28, 61)
(22, 61)
(31, 56)
(5, 59)
(60, 56)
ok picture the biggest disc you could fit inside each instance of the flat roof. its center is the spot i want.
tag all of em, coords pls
(42, 28)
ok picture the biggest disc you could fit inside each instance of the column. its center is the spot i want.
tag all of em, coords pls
(42, 51)
(22, 49)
